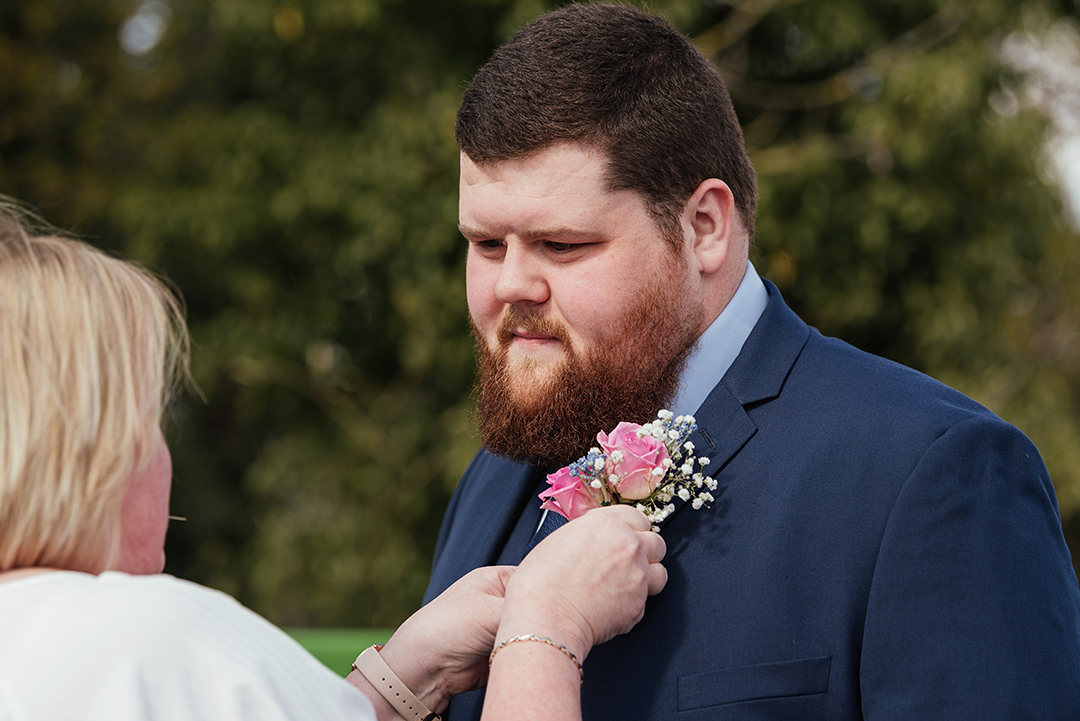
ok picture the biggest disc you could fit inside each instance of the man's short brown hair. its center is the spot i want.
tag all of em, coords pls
(625, 82)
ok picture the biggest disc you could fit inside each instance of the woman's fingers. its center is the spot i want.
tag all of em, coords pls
(632, 516)
(598, 570)
(490, 580)
(656, 578)
(655, 547)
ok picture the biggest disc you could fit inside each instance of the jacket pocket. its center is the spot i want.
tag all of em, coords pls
(751, 683)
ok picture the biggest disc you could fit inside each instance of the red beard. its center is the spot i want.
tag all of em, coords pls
(628, 375)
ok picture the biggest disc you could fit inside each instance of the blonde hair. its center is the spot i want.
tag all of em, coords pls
(91, 348)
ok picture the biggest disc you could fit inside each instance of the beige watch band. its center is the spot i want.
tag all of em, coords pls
(372, 667)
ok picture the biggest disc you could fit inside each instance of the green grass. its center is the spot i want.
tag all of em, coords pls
(337, 648)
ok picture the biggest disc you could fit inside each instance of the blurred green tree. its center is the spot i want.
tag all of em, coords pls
(291, 166)
(901, 203)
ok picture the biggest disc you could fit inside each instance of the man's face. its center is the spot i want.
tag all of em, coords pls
(583, 314)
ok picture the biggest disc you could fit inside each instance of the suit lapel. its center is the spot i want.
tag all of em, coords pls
(756, 376)
(496, 491)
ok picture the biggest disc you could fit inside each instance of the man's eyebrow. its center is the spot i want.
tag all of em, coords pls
(562, 233)
(470, 232)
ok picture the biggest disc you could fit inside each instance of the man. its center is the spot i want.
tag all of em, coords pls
(880, 546)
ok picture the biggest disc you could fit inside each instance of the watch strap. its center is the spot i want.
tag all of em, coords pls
(372, 667)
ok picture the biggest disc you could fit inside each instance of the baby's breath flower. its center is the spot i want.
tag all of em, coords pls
(672, 477)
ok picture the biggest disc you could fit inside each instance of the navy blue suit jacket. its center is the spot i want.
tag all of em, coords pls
(881, 547)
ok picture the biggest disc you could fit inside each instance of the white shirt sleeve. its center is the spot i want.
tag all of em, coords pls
(154, 648)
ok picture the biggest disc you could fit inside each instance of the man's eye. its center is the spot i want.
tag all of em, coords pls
(488, 244)
(561, 247)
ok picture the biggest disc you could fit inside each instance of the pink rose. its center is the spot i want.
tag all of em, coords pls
(640, 455)
(568, 495)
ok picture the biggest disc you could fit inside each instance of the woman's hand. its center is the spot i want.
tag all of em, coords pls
(442, 649)
(588, 581)
(582, 585)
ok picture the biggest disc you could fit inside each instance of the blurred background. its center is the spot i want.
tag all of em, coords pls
(290, 166)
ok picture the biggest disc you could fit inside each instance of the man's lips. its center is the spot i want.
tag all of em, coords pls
(531, 335)
(532, 341)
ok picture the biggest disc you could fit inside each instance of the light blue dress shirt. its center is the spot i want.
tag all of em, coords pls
(720, 344)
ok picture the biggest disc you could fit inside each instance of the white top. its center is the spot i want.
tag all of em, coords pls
(720, 344)
(116, 647)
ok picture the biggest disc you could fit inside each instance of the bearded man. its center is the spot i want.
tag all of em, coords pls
(879, 547)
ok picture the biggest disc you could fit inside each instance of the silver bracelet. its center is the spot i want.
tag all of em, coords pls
(541, 639)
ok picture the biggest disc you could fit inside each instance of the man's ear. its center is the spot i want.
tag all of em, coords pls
(709, 221)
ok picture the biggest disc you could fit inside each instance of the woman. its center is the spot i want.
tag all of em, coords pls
(90, 349)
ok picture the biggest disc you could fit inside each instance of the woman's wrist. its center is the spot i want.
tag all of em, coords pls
(544, 624)
(396, 696)
(533, 679)
(533, 638)
(384, 710)
(420, 676)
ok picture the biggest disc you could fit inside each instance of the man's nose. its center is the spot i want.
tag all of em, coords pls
(521, 279)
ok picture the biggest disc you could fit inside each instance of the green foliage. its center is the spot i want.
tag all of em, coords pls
(291, 167)
(902, 213)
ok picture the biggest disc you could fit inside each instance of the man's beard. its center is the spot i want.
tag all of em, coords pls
(551, 419)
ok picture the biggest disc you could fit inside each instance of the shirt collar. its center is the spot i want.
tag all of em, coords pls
(719, 345)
